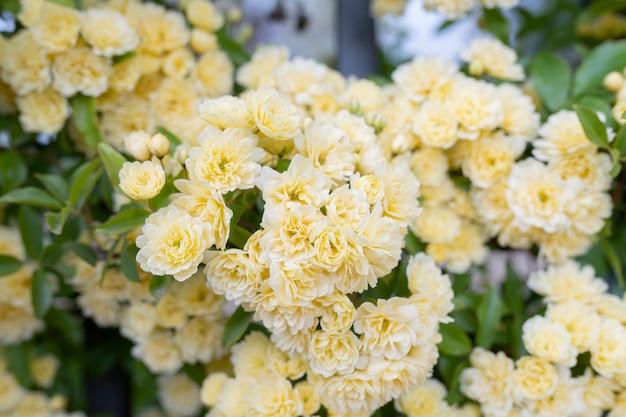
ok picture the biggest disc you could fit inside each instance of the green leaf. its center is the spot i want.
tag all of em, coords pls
(461, 282)
(620, 141)
(56, 220)
(31, 196)
(465, 319)
(31, 229)
(455, 342)
(159, 284)
(83, 182)
(594, 129)
(496, 23)
(513, 290)
(607, 57)
(120, 58)
(9, 265)
(42, 293)
(235, 51)
(517, 343)
(454, 393)
(17, 359)
(125, 221)
(614, 260)
(238, 236)
(112, 161)
(84, 116)
(617, 166)
(13, 170)
(282, 164)
(236, 326)
(55, 184)
(488, 313)
(84, 252)
(128, 264)
(551, 75)
(68, 325)
(412, 244)
(52, 254)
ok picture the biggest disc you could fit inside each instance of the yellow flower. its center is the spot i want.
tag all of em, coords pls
(25, 65)
(42, 112)
(492, 57)
(426, 400)
(259, 71)
(211, 388)
(11, 393)
(227, 160)
(160, 31)
(230, 273)
(56, 27)
(476, 106)
(273, 397)
(308, 397)
(567, 281)
(534, 378)
(333, 353)
(142, 180)
(549, 340)
(200, 339)
(490, 158)
(179, 395)
(225, 112)
(436, 125)
(79, 70)
(422, 75)
(43, 370)
(561, 134)
(337, 312)
(430, 285)
(203, 201)
(213, 74)
(437, 223)
(521, 119)
(388, 328)
(203, 14)
(159, 353)
(173, 243)
(108, 32)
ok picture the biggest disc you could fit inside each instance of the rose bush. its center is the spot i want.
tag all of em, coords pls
(261, 236)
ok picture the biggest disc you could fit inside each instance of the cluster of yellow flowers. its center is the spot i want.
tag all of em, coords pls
(184, 326)
(141, 61)
(17, 318)
(18, 401)
(451, 9)
(581, 317)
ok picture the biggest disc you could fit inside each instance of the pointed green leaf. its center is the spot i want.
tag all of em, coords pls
(9, 265)
(513, 289)
(620, 141)
(236, 52)
(159, 284)
(31, 229)
(236, 326)
(67, 325)
(496, 22)
(56, 220)
(83, 182)
(84, 116)
(238, 236)
(283, 164)
(594, 129)
(551, 75)
(42, 292)
(84, 252)
(455, 342)
(607, 57)
(488, 313)
(55, 184)
(17, 359)
(125, 221)
(128, 264)
(614, 260)
(31, 196)
(113, 161)
(13, 170)
(617, 166)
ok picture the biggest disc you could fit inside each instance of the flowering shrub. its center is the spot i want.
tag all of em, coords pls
(262, 236)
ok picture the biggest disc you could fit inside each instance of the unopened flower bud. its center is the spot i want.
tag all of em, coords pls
(377, 121)
(613, 81)
(181, 154)
(202, 41)
(58, 402)
(137, 144)
(234, 14)
(476, 68)
(159, 145)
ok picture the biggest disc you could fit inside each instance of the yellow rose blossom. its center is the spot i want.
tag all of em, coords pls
(202, 41)
(125, 75)
(11, 393)
(520, 118)
(211, 388)
(436, 125)
(308, 397)
(160, 30)
(259, 71)
(138, 321)
(422, 75)
(43, 370)
(476, 106)
(43, 112)
(159, 353)
(492, 57)
(213, 74)
(173, 243)
(29, 11)
(549, 340)
(179, 395)
(79, 70)
(108, 32)
(426, 400)
(225, 112)
(25, 65)
(231, 274)
(56, 27)
(567, 281)
(203, 14)
(534, 378)
(142, 180)
(333, 352)
(199, 339)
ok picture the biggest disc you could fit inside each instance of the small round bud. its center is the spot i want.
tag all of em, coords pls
(476, 68)
(137, 145)
(202, 41)
(58, 402)
(159, 145)
(245, 33)
(613, 81)
(234, 14)
(181, 154)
